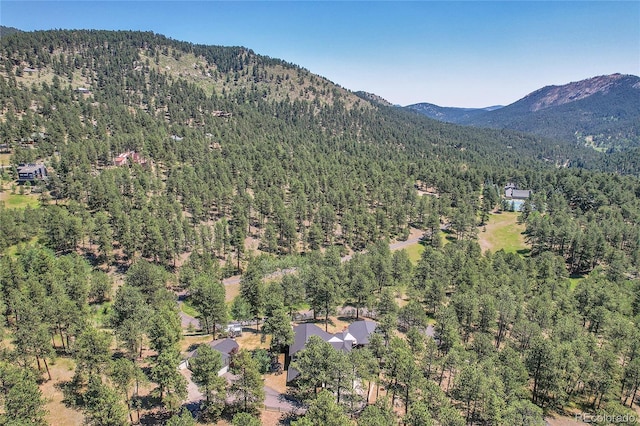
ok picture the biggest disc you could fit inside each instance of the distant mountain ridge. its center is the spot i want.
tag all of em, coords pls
(602, 112)
(449, 114)
(551, 96)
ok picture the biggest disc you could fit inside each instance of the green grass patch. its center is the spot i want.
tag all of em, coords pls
(19, 248)
(5, 159)
(18, 201)
(502, 232)
(188, 309)
(574, 281)
(415, 252)
(100, 313)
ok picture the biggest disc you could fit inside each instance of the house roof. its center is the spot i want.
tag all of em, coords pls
(356, 334)
(342, 345)
(302, 333)
(520, 194)
(30, 168)
(224, 346)
(361, 330)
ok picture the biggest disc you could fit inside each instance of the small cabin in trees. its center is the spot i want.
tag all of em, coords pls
(226, 347)
(32, 172)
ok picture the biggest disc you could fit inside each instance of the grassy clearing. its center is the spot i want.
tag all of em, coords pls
(18, 201)
(415, 252)
(190, 342)
(277, 381)
(100, 314)
(502, 232)
(231, 291)
(251, 340)
(58, 413)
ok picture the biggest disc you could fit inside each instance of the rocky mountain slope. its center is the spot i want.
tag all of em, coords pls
(602, 112)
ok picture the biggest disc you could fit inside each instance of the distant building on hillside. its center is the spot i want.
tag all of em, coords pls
(221, 114)
(512, 192)
(32, 172)
(130, 157)
(515, 197)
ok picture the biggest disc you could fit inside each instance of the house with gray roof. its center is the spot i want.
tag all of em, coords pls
(226, 347)
(356, 334)
(361, 331)
(302, 332)
(512, 192)
(32, 172)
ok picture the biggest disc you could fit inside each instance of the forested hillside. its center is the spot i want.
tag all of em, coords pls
(601, 112)
(449, 114)
(173, 165)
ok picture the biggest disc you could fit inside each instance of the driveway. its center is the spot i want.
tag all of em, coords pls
(273, 400)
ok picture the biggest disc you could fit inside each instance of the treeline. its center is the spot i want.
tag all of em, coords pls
(589, 219)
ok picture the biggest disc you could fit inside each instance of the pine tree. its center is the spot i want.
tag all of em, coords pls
(204, 373)
(247, 386)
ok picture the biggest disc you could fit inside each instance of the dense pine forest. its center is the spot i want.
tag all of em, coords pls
(177, 170)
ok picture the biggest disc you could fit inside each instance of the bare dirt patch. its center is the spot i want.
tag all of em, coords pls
(5, 159)
(270, 418)
(558, 420)
(250, 340)
(277, 381)
(231, 291)
(58, 414)
(188, 341)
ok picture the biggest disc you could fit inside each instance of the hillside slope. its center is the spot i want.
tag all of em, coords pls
(601, 112)
(188, 86)
(449, 114)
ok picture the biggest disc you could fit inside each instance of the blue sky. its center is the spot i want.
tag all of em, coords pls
(453, 53)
